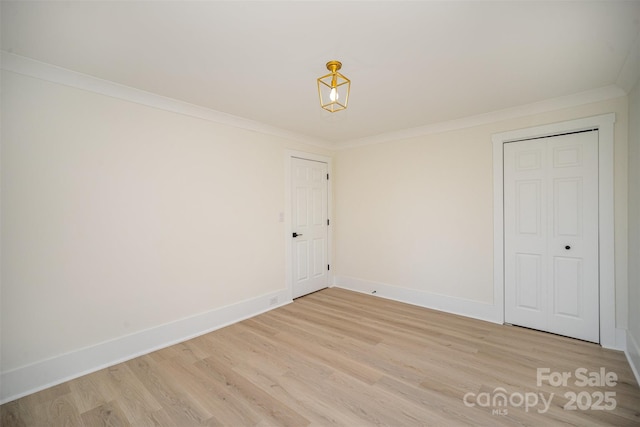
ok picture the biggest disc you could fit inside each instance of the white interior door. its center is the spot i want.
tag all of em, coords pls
(310, 226)
(551, 234)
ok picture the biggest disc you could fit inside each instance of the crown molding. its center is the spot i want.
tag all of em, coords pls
(52, 73)
(574, 100)
(630, 72)
(44, 71)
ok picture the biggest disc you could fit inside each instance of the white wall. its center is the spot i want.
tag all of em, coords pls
(414, 217)
(633, 334)
(412, 213)
(122, 221)
(118, 218)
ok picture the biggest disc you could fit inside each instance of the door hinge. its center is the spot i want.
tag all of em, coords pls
(327, 177)
(327, 222)
(328, 267)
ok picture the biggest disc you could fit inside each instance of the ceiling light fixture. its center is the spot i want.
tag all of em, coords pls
(334, 88)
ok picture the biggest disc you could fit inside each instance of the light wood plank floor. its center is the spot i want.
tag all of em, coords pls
(342, 358)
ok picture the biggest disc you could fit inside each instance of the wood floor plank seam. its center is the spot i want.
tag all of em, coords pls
(342, 358)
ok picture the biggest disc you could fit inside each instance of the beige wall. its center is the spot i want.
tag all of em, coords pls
(633, 337)
(117, 217)
(417, 213)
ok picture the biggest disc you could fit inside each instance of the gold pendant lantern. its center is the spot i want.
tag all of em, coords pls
(334, 88)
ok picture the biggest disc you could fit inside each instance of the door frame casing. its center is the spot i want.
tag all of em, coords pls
(606, 254)
(288, 224)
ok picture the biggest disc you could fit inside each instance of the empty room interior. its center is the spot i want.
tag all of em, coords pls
(320, 213)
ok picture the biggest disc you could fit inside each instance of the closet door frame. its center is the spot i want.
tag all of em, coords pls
(609, 336)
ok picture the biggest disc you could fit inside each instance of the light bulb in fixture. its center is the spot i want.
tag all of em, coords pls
(334, 95)
(336, 99)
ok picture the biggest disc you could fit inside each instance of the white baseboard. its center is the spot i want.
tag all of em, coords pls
(47, 373)
(632, 352)
(620, 340)
(463, 307)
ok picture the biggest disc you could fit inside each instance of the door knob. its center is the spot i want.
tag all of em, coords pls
(567, 247)
(296, 234)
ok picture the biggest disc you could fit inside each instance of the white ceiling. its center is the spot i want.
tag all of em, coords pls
(411, 64)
